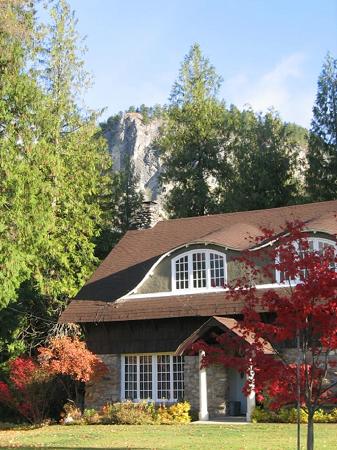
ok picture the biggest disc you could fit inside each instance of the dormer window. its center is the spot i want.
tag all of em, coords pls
(199, 269)
(318, 245)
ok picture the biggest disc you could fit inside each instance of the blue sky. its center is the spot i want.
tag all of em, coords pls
(269, 52)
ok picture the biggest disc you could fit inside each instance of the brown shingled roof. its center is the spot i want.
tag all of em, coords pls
(192, 305)
(130, 260)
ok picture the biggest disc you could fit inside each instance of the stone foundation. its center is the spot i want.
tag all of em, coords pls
(108, 388)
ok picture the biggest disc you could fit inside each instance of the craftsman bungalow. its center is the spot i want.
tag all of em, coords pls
(160, 289)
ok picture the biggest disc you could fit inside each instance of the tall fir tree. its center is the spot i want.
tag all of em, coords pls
(192, 137)
(322, 152)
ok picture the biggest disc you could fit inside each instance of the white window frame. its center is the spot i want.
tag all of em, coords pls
(154, 397)
(190, 254)
(315, 241)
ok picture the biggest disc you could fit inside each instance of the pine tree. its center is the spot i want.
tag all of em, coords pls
(322, 153)
(192, 137)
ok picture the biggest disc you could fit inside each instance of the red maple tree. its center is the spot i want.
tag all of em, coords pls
(70, 357)
(298, 318)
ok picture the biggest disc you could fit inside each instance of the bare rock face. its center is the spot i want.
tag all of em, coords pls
(133, 137)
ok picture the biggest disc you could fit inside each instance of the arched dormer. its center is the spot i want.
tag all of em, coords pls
(316, 244)
(198, 269)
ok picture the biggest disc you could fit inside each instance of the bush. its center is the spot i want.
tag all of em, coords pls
(28, 390)
(289, 415)
(91, 417)
(176, 413)
(128, 413)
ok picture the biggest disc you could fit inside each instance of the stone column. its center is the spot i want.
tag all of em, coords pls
(203, 411)
(251, 396)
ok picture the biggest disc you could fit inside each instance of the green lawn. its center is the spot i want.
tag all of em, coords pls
(230, 437)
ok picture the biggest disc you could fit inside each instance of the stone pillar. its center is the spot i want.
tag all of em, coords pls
(203, 411)
(251, 396)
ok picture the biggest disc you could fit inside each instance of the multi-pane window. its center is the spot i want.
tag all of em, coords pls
(130, 377)
(153, 377)
(181, 268)
(145, 377)
(199, 269)
(314, 245)
(163, 376)
(217, 270)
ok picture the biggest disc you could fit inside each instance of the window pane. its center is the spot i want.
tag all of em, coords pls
(130, 370)
(145, 377)
(182, 273)
(178, 378)
(163, 377)
(217, 265)
(199, 270)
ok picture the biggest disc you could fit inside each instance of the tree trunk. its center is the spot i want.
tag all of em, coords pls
(310, 432)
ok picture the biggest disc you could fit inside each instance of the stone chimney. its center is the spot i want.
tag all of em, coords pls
(148, 216)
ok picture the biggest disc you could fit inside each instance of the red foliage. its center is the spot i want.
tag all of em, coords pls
(26, 391)
(68, 356)
(304, 308)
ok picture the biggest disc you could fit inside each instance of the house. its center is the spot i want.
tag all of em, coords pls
(160, 289)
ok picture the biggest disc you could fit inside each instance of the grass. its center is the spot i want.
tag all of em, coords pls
(215, 437)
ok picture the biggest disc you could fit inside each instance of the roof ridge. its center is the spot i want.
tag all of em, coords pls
(301, 205)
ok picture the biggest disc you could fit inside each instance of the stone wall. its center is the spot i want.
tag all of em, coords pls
(108, 388)
(217, 386)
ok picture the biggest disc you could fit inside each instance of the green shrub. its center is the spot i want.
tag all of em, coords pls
(91, 416)
(289, 415)
(128, 413)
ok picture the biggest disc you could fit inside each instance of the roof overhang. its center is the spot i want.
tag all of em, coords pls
(224, 324)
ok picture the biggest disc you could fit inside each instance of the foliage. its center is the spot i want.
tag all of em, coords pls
(28, 390)
(304, 311)
(176, 413)
(129, 413)
(70, 359)
(23, 196)
(70, 356)
(264, 159)
(191, 137)
(91, 416)
(289, 415)
(322, 153)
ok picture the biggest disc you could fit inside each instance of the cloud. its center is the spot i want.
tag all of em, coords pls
(279, 88)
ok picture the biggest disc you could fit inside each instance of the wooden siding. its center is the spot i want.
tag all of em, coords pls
(140, 336)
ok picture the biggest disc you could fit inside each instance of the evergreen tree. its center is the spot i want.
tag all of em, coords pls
(322, 153)
(54, 171)
(23, 199)
(120, 207)
(264, 156)
(192, 137)
(79, 162)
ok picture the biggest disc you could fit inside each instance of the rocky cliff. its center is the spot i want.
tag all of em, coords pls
(132, 136)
